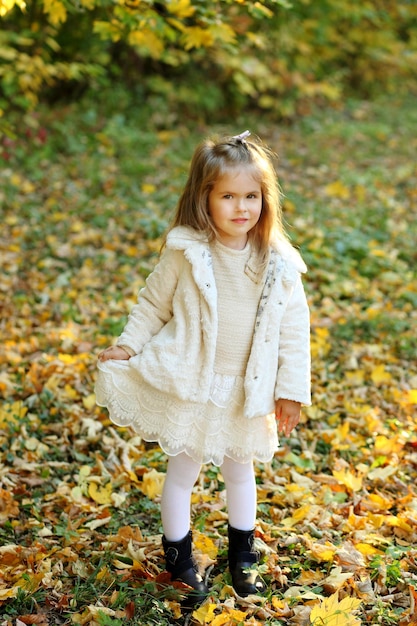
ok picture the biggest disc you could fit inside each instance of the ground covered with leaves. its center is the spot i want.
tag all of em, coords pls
(85, 197)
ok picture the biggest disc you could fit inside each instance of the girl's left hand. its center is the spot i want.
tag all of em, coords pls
(114, 352)
(287, 413)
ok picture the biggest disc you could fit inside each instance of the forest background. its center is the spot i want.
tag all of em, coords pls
(101, 106)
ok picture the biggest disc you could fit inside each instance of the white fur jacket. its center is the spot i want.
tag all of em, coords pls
(172, 330)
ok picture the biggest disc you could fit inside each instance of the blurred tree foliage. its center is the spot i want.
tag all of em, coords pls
(205, 56)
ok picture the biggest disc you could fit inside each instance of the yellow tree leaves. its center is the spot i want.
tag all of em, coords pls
(197, 37)
(185, 23)
(147, 40)
(56, 11)
(241, 38)
(181, 8)
(7, 5)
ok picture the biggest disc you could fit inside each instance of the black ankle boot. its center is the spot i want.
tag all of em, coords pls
(242, 558)
(181, 565)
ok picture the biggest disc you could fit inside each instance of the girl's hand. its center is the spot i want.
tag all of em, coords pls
(114, 352)
(287, 413)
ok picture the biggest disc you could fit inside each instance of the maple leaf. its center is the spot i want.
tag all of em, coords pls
(180, 8)
(56, 11)
(351, 480)
(197, 37)
(331, 612)
(229, 617)
(380, 375)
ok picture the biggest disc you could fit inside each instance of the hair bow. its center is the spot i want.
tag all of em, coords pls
(242, 137)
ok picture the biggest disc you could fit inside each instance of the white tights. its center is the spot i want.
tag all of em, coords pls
(182, 473)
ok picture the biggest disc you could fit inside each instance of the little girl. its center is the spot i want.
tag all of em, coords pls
(214, 358)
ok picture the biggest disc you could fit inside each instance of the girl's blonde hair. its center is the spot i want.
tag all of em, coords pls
(212, 159)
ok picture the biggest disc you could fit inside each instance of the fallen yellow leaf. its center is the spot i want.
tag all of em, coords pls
(30, 582)
(398, 522)
(323, 552)
(412, 396)
(299, 514)
(308, 577)
(7, 593)
(376, 502)
(331, 612)
(205, 613)
(204, 544)
(280, 604)
(101, 495)
(11, 413)
(379, 375)
(153, 483)
(70, 393)
(337, 189)
(68, 359)
(347, 478)
(148, 188)
(355, 377)
(232, 616)
(385, 446)
(89, 402)
(367, 550)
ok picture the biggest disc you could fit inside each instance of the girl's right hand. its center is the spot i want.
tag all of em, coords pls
(114, 352)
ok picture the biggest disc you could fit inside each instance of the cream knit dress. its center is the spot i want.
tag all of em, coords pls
(205, 431)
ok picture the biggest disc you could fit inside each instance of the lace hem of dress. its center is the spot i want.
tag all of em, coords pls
(222, 388)
(205, 431)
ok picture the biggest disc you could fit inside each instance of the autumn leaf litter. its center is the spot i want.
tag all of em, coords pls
(79, 518)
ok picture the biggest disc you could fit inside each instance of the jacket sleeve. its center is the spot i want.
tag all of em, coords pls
(154, 306)
(293, 376)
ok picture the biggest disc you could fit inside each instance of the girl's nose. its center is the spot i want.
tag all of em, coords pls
(241, 204)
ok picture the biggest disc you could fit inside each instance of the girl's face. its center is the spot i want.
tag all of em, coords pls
(235, 205)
